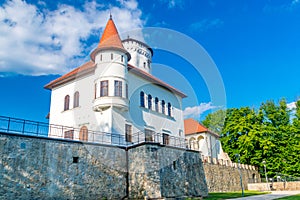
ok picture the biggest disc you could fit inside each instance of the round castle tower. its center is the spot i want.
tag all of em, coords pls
(111, 86)
(141, 54)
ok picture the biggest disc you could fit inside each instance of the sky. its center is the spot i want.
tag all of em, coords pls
(253, 48)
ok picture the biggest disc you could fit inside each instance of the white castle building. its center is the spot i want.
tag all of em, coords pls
(114, 98)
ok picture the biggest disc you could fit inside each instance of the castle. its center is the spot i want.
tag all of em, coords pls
(115, 93)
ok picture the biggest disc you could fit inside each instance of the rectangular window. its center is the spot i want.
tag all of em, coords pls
(103, 88)
(126, 91)
(95, 91)
(149, 135)
(128, 133)
(69, 134)
(166, 139)
(118, 88)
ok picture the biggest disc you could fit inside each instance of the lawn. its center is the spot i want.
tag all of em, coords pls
(295, 197)
(229, 195)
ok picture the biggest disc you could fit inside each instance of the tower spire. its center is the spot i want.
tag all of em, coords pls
(110, 39)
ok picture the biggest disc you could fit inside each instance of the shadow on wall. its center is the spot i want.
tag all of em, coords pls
(48, 168)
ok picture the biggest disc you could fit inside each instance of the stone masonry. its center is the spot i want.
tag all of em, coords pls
(47, 168)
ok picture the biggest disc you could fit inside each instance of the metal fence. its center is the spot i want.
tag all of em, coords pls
(41, 129)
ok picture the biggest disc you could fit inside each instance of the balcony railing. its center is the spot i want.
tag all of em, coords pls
(41, 129)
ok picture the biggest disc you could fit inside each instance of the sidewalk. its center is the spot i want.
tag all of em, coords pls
(273, 195)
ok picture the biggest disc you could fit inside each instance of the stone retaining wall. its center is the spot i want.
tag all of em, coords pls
(223, 178)
(47, 168)
(278, 186)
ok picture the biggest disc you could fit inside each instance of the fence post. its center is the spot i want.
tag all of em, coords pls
(8, 124)
(23, 126)
(37, 128)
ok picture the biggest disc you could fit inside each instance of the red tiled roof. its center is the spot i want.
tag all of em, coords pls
(110, 39)
(154, 80)
(81, 70)
(90, 66)
(191, 126)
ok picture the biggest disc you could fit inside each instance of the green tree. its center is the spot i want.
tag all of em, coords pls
(215, 121)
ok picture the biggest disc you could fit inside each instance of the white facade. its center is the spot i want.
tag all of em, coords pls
(110, 99)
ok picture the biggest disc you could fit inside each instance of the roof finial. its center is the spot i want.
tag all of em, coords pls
(110, 16)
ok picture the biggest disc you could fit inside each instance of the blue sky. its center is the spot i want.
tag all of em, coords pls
(255, 46)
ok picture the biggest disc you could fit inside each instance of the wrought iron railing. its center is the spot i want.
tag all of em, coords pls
(41, 129)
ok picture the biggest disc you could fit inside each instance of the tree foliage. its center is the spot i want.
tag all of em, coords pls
(271, 134)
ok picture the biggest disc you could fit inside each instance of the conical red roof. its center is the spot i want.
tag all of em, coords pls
(110, 39)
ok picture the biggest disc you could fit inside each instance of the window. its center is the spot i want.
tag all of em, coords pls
(149, 135)
(149, 101)
(100, 57)
(103, 88)
(126, 91)
(128, 133)
(95, 91)
(156, 104)
(111, 56)
(69, 134)
(144, 64)
(169, 110)
(67, 102)
(142, 99)
(122, 58)
(166, 139)
(118, 88)
(76, 99)
(163, 105)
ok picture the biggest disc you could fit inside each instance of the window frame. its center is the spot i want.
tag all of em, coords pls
(128, 132)
(67, 103)
(142, 99)
(117, 88)
(76, 100)
(104, 88)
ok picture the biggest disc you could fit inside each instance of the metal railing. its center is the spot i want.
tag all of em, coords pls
(41, 129)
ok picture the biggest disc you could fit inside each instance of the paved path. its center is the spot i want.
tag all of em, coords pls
(273, 195)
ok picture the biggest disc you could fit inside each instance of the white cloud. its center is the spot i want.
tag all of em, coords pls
(291, 105)
(37, 42)
(196, 111)
(173, 3)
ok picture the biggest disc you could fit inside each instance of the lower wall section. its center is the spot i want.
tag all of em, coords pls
(221, 178)
(34, 168)
(274, 186)
(157, 171)
(45, 168)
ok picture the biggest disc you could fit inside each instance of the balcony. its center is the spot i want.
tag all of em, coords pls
(103, 103)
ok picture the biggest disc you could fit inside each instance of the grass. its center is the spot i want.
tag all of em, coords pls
(294, 197)
(230, 195)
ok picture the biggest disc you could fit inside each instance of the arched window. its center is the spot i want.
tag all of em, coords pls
(122, 57)
(67, 102)
(156, 104)
(163, 105)
(144, 64)
(142, 99)
(149, 101)
(169, 109)
(76, 100)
